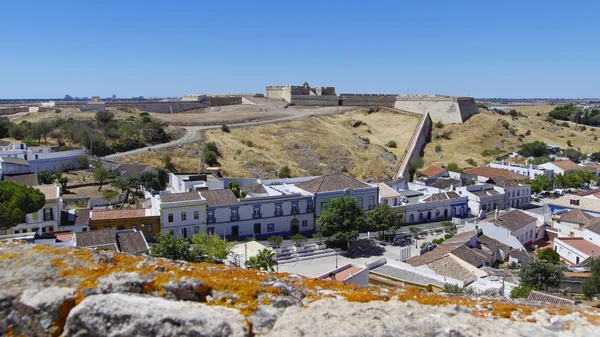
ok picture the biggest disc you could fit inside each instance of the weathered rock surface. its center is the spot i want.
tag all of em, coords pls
(393, 318)
(131, 315)
(47, 289)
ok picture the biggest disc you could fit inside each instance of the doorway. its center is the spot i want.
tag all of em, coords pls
(294, 226)
(235, 231)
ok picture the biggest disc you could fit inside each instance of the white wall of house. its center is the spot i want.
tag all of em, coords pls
(183, 219)
(487, 203)
(591, 236)
(47, 218)
(527, 170)
(439, 210)
(569, 253)
(498, 233)
(518, 196)
(567, 228)
(266, 221)
(366, 198)
(526, 234)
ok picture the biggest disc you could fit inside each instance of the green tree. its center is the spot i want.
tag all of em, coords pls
(342, 218)
(109, 195)
(392, 144)
(225, 128)
(471, 162)
(595, 157)
(212, 146)
(170, 247)
(101, 175)
(522, 291)
(275, 241)
(168, 162)
(16, 201)
(591, 286)
(540, 160)
(540, 183)
(548, 255)
(149, 180)
(210, 158)
(534, 149)
(163, 178)
(453, 167)
(540, 274)
(4, 127)
(104, 116)
(63, 181)
(45, 177)
(211, 248)
(383, 218)
(234, 186)
(299, 239)
(285, 172)
(264, 260)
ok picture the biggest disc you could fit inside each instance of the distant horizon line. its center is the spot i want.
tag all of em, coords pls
(77, 98)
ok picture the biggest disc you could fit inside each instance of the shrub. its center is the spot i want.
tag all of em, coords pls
(285, 172)
(446, 134)
(489, 153)
(582, 128)
(448, 236)
(210, 158)
(212, 146)
(534, 149)
(521, 291)
(366, 140)
(439, 124)
(550, 119)
(225, 128)
(569, 143)
(456, 289)
(528, 132)
(275, 241)
(565, 124)
(392, 143)
(453, 167)
(471, 162)
(538, 114)
(318, 236)
(299, 239)
(482, 106)
(437, 241)
(512, 131)
(505, 124)
(438, 148)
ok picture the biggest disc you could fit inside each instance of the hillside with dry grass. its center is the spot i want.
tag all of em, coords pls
(490, 131)
(318, 145)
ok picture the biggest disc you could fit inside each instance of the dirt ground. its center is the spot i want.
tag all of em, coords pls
(318, 145)
(485, 132)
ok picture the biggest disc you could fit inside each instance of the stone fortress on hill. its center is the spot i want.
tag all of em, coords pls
(448, 109)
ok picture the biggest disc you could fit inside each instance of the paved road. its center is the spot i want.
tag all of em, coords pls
(194, 133)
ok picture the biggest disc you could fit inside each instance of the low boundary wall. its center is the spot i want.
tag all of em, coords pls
(421, 135)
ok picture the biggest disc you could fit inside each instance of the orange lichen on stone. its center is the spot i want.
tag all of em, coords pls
(8, 256)
(58, 262)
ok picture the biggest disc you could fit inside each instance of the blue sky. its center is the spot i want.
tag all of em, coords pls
(160, 48)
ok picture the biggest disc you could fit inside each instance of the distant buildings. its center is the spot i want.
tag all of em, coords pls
(17, 158)
(529, 170)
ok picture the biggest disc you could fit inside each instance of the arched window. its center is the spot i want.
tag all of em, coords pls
(411, 218)
(420, 216)
(518, 193)
(445, 213)
(437, 214)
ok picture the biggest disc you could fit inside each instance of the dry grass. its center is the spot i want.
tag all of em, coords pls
(485, 132)
(185, 158)
(65, 114)
(317, 145)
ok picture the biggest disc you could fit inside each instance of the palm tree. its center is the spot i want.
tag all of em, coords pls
(264, 260)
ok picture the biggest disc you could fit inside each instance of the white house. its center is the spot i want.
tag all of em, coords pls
(529, 170)
(519, 224)
(44, 158)
(188, 182)
(570, 223)
(576, 250)
(562, 167)
(516, 195)
(182, 214)
(484, 197)
(46, 219)
(388, 196)
(328, 187)
(434, 207)
(284, 214)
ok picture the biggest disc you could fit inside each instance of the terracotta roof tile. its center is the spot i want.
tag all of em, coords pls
(492, 172)
(330, 183)
(117, 214)
(580, 244)
(254, 188)
(513, 220)
(50, 191)
(96, 238)
(449, 267)
(178, 197)
(215, 198)
(433, 171)
(27, 179)
(16, 161)
(470, 256)
(132, 242)
(132, 170)
(576, 216)
(567, 165)
(444, 183)
(82, 217)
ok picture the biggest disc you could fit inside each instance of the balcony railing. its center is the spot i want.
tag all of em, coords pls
(256, 215)
(210, 220)
(278, 212)
(294, 211)
(235, 218)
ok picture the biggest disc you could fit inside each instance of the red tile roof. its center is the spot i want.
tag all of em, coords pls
(492, 172)
(433, 171)
(330, 183)
(580, 244)
(567, 165)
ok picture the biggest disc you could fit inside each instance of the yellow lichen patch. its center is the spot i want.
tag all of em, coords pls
(47, 249)
(8, 256)
(58, 263)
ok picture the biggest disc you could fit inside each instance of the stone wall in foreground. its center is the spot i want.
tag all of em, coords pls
(54, 291)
